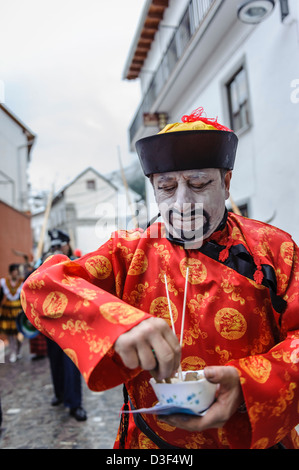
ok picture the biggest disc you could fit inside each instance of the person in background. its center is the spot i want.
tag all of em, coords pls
(10, 307)
(65, 375)
(38, 347)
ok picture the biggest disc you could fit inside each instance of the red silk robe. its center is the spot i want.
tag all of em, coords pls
(85, 304)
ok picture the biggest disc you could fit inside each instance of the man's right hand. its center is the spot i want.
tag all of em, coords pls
(151, 345)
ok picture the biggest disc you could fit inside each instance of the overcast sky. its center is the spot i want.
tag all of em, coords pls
(61, 62)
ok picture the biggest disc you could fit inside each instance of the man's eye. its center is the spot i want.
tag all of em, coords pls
(197, 188)
(200, 186)
(167, 189)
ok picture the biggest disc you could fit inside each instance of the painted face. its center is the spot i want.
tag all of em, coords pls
(65, 248)
(191, 202)
(14, 274)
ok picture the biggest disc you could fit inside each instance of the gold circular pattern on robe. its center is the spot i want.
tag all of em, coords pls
(286, 251)
(193, 363)
(139, 263)
(72, 355)
(99, 266)
(55, 304)
(230, 323)
(159, 308)
(197, 270)
(258, 367)
(117, 312)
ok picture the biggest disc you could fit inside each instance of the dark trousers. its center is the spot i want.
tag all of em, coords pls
(65, 376)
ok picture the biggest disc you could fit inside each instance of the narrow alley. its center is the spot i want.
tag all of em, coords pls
(30, 422)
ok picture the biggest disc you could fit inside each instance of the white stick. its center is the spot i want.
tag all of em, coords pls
(180, 373)
(184, 307)
(169, 305)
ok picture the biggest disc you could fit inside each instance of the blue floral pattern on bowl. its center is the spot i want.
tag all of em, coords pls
(197, 395)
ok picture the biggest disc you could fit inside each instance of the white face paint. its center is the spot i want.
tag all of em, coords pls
(191, 202)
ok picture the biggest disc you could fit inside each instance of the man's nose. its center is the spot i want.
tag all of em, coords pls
(183, 196)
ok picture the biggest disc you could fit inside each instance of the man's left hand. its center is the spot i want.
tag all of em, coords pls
(229, 398)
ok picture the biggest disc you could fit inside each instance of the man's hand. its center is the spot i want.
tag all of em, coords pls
(229, 398)
(151, 345)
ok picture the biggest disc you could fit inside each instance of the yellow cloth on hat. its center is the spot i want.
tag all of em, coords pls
(187, 126)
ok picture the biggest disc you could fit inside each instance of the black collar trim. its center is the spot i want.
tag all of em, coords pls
(240, 260)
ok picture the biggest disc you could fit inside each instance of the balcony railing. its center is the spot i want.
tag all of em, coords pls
(192, 19)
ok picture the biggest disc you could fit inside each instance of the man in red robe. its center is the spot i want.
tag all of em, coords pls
(109, 311)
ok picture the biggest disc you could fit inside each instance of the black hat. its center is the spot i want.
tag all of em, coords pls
(196, 143)
(58, 237)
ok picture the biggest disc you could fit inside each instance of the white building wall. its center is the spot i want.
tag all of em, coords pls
(37, 221)
(163, 36)
(86, 199)
(266, 173)
(87, 239)
(89, 216)
(13, 163)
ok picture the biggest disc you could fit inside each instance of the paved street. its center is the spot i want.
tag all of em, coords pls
(30, 422)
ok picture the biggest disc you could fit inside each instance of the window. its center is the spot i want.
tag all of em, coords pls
(238, 100)
(183, 33)
(244, 210)
(91, 184)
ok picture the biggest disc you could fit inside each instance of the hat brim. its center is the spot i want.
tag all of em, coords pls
(187, 150)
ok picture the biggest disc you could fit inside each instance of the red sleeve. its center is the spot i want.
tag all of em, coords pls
(270, 382)
(76, 303)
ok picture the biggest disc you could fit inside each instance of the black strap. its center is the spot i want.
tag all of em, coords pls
(144, 427)
(124, 420)
(279, 446)
(153, 220)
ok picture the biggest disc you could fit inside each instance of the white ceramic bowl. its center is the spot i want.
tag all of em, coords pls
(196, 395)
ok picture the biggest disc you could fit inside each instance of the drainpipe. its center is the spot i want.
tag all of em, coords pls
(285, 9)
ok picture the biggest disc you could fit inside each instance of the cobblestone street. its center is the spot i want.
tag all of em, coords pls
(30, 422)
